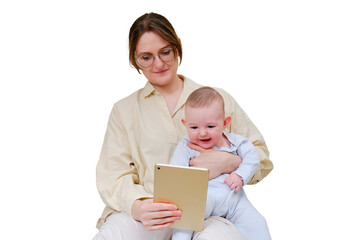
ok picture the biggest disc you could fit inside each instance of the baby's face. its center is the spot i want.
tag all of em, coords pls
(205, 125)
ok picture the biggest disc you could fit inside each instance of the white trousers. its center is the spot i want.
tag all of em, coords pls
(121, 226)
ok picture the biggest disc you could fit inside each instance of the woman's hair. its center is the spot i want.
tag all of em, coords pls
(204, 97)
(152, 22)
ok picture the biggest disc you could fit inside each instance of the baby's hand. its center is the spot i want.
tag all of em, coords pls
(234, 181)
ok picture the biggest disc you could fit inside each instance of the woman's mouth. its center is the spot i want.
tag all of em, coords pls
(161, 72)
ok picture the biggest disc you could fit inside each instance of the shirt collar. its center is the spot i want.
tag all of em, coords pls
(189, 87)
(148, 90)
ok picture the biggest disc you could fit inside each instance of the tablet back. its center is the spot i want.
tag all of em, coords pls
(186, 187)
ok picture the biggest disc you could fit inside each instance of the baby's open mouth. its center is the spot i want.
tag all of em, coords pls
(205, 140)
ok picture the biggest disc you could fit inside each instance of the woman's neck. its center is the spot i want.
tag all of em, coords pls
(171, 93)
(174, 87)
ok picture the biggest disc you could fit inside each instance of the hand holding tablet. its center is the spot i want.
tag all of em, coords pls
(186, 187)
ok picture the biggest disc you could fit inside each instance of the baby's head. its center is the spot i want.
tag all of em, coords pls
(205, 118)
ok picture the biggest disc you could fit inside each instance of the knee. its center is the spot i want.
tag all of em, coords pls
(99, 236)
(218, 228)
(253, 218)
(119, 218)
(104, 233)
(114, 227)
(260, 220)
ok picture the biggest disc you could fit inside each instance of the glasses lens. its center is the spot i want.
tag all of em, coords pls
(145, 60)
(167, 54)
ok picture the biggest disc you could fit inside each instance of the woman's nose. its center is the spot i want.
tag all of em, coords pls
(158, 62)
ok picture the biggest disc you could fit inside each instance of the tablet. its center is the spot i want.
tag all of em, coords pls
(186, 187)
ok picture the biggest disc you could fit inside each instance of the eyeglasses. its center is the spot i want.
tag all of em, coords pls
(147, 59)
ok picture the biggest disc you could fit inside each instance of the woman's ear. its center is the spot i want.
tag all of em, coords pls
(227, 121)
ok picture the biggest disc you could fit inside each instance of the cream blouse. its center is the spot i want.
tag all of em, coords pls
(141, 132)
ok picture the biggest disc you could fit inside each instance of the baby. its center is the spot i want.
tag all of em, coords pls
(205, 122)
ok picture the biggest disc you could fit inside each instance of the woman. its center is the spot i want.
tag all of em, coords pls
(145, 127)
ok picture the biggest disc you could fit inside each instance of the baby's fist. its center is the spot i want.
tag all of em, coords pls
(234, 181)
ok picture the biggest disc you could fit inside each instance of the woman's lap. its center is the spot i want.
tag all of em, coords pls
(121, 226)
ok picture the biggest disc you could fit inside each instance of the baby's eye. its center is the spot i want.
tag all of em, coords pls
(211, 126)
(193, 127)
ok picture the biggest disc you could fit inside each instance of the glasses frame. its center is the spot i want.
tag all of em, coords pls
(159, 55)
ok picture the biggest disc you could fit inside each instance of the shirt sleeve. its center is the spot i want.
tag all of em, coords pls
(242, 125)
(116, 175)
(181, 156)
(251, 160)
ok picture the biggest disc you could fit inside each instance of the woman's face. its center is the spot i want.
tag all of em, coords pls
(160, 73)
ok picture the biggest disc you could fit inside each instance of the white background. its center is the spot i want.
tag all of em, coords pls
(292, 65)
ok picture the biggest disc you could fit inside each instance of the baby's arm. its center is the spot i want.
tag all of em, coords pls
(251, 160)
(234, 181)
(247, 168)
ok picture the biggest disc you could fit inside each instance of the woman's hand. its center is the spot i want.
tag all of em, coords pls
(155, 216)
(218, 162)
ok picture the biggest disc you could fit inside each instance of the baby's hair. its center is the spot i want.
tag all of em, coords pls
(204, 97)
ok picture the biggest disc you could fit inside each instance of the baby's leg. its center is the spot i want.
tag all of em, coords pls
(215, 227)
(210, 201)
(181, 234)
(248, 220)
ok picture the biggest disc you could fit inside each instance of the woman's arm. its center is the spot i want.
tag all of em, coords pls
(116, 175)
(218, 162)
(118, 180)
